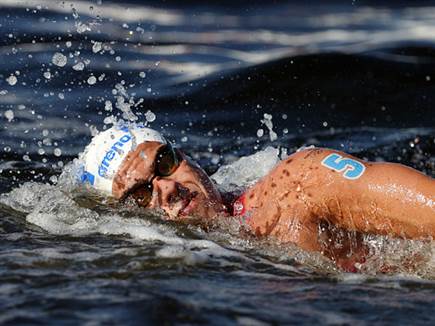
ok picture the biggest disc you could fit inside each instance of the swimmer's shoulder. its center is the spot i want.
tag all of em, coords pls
(302, 166)
(320, 163)
(310, 155)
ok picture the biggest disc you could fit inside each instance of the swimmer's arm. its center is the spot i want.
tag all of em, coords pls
(387, 199)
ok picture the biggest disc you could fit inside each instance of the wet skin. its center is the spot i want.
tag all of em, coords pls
(188, 191)
(299, 201)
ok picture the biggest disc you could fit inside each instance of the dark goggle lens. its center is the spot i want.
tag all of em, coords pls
(142, 194)
(167, 161)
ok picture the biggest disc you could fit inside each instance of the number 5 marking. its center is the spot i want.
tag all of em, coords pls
(352, 168)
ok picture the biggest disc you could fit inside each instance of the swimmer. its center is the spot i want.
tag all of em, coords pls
(320, 199)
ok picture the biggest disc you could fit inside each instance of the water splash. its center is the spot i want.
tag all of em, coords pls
(246, 171)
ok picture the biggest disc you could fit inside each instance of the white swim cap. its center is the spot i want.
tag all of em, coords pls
(104, 155)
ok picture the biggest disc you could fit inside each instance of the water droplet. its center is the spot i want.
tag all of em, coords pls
(47, 75)
(260, 133)
(267, 121)
(108, 106)
(12, 80)
(110, 120)
(94, 130)
(57, 152)
(92, 80)
(9, 114)
(97, 47)
(273, 136)
(47, 141)
(150, 116)
(75, 13)
(142, 74)
(59, 59)
(79, 66)
(82, 28)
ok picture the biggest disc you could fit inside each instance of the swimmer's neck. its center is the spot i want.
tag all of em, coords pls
(229, 199)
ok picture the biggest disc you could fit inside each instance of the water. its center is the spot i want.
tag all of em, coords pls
(224, 81)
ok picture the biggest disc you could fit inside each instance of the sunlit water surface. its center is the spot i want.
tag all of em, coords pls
(224, 83)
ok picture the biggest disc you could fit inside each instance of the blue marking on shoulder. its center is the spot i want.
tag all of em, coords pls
(352, 168)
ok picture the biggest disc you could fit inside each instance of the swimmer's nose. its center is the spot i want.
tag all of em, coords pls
(166, 192)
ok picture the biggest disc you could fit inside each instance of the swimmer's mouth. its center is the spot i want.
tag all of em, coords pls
(188, 204)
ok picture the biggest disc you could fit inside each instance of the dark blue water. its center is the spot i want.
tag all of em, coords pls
(355, 76)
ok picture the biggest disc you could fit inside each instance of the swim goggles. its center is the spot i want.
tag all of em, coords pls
(166, 162)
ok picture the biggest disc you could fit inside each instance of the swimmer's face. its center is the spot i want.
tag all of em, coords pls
(157, 176)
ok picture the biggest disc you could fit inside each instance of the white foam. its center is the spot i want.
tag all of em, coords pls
(52, 209)
(62, 253)
(247, 170)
